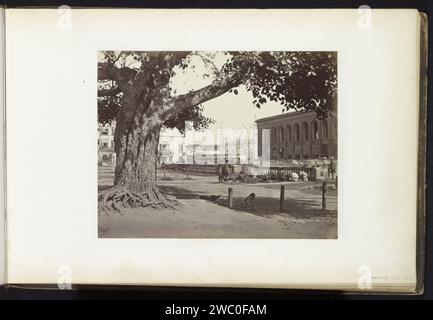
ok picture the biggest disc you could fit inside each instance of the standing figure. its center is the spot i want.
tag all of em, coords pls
(331, 168)
(226, 170)
(305, 176)
(220, 173)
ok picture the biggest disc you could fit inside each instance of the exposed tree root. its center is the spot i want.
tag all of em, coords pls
(116, 198)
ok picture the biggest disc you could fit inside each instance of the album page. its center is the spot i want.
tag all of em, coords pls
(243, 148)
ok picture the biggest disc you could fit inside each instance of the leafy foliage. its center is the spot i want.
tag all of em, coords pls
(108, 107)
(300, 80)
(193, 115)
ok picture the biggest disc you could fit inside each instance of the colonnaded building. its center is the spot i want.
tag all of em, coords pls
(297, 136)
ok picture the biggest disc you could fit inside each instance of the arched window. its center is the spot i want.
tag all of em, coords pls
(274, 135)
(325, 129)
(315, 131)
(289, 133)
(305, 131)
(281, 134)
(297, 132)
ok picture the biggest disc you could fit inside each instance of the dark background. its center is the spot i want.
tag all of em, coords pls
(163, 296)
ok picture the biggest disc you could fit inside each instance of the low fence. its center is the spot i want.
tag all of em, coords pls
(274, 172)
(251, 205)
(199, 168)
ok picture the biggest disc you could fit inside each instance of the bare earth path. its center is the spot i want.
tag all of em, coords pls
(302, 218)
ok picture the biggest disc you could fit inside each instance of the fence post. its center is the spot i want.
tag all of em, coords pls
(230, 199)
(324, 189)
(336, 182)
(282, 198)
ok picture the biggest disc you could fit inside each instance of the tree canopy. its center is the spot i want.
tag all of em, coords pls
(300, 80)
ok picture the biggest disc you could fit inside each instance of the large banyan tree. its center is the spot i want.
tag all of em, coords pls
(135, 88)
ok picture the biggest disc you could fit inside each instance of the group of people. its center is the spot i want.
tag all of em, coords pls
(224, 172)
(301, 176)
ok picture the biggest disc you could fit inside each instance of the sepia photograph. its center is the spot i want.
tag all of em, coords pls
(223, 144)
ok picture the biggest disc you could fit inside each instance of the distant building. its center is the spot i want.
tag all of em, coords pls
(171, 147)
(106, 143)
(194, 147)
(106, 135)
(297, 136)
(207, 146)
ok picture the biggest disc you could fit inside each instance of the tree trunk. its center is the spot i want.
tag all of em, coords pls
(137, 158)
(136, 142)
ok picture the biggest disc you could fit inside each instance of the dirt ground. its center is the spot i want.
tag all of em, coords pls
(302, 218)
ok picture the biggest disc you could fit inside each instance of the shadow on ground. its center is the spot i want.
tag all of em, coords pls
(180, 193)
(104, 187)
(266, 207)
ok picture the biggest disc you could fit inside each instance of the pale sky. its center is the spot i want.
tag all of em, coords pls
(228, 110)
(237, 111)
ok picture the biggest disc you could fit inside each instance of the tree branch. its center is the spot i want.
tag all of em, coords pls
(108, 71)
(109, 92)
(177, 57)
(176, 104)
